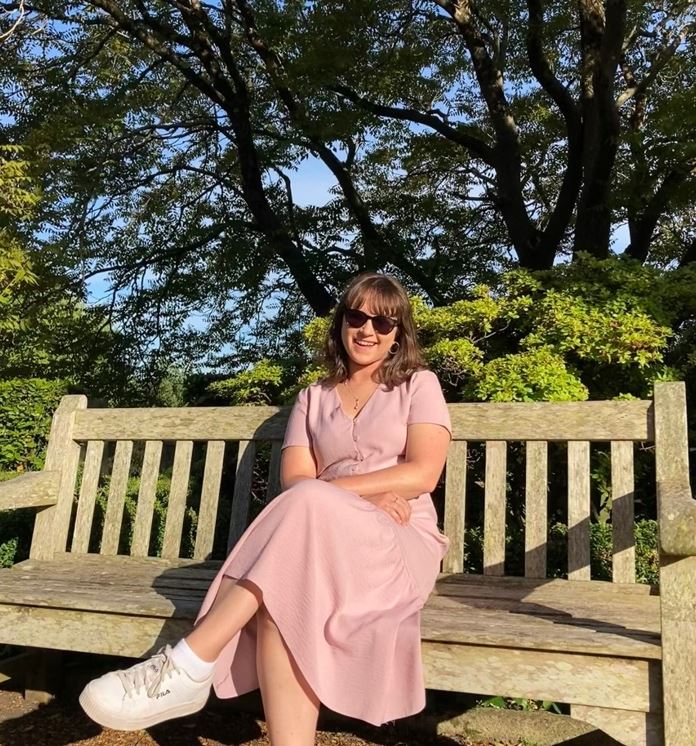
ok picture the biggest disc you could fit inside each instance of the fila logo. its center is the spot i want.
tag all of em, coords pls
(162, 694)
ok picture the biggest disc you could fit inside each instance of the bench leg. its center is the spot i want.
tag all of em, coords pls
(41, 678)
(678, 605)
(626, 726)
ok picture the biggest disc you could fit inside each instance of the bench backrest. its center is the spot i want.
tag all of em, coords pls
(81, 438)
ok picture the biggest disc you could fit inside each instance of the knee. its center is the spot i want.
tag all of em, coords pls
(308, 491)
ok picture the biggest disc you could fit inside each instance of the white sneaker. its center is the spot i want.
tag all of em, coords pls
(144, 694)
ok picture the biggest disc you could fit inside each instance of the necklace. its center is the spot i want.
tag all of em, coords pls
(356, 404)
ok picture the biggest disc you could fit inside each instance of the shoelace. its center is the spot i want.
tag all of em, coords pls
(150, 673)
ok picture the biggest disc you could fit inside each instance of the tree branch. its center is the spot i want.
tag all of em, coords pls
(456, 135)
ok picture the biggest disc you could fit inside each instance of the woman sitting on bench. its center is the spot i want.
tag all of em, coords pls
(320, 599)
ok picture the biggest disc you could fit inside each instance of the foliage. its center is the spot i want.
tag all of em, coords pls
(257, 385)
(17, 201)
(536, 375)
(185, 189)
(569, 334)
(26, 408)
(645, 532)
(161, 502)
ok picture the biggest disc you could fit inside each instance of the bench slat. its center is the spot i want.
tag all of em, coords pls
(578, 510)
(449, 585)
(632, 615)
(622, 512)
(273, 487)
(494, 516)
(88, 495)
(176, 507)
(535, 523)
(242, 491)
(182, 423)
(455, 505)
(146, 498)
(628, 684)
(117, 494)
(535, 627)
(498, 628)
(52, 525)
(210, 492)
(552, 421)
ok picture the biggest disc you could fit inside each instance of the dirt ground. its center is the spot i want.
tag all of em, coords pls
(63, 723)
(449, 719)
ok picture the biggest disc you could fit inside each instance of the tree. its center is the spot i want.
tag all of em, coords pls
(463, 139)
(17, 200)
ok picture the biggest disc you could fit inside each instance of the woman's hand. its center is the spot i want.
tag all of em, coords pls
(399, 508)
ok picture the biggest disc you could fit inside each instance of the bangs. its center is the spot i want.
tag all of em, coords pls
(382, 297)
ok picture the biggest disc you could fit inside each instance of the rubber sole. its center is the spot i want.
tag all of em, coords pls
(118, 722)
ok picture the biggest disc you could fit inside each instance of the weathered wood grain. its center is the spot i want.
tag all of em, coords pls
(183, 423)
(625, 726)
(671, 433)
(147, 491)
(678, 616)
(113, 518)
(241, 497)
(498, 628)
(88, 495)
(273, 488)
(89, 631)
(32, 490)
(553, 421)
(676, 507)
(630, 684)
(449, 583)
(494, 515)
(176, 506)
(578, 510)
(63, 456)
(622, 513)
(535, 513)
(637, 620)
(455, 505)
(210, 492)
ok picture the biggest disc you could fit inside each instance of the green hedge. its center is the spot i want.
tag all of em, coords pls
(26, 408)
(645, 532)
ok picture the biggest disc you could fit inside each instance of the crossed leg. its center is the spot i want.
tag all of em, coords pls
(290, 706)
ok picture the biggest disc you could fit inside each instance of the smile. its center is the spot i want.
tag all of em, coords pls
(365, 344)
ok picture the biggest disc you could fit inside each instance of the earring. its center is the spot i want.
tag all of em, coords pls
(393, 350)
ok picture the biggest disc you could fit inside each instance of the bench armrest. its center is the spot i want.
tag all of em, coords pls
(35, 489)
(677, 519)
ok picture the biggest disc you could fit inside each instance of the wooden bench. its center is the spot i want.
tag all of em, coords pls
(623, 656)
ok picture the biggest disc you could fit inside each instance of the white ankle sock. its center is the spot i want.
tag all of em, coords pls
(195, 666)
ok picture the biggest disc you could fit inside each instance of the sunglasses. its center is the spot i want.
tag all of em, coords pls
(381, 324)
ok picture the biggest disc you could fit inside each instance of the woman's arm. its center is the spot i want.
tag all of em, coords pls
(296, 463)
(426, 453)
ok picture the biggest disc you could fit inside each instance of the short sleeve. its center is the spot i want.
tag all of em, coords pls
(297, 430)
(428, 403)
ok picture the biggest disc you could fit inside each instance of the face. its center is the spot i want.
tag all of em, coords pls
(365, 346)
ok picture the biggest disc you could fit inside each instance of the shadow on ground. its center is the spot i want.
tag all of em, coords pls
(446, 721)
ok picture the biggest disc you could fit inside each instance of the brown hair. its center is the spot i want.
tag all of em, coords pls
(389, 298)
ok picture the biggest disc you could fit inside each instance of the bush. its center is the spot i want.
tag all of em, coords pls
(647, 560)
(26, 408)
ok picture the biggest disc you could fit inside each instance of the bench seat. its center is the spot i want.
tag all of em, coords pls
(493, 631)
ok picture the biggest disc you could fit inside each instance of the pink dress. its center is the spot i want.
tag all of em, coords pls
(343, 581)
